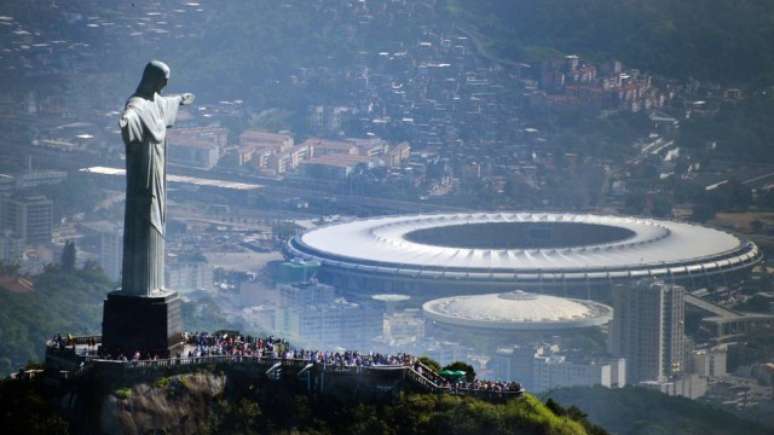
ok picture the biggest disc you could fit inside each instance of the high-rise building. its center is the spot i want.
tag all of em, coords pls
(197, 147)
(312, 313)
(542, 368)
(648, 329)
(105, 240)
(7, 184)
(515, 363)
(189, 273)
(11, 247)
(710, 362)
(30, 217)
(111, 248)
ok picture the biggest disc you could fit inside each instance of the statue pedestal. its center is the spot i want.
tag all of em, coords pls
(148, 324)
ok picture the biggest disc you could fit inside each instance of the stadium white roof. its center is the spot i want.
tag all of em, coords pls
(517, 310)
(648, 247)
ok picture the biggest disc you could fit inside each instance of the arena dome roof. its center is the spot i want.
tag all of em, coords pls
(520, 246)
(517, 310)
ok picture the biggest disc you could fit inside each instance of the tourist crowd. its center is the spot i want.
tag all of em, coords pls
(490, 386)
(202, 345)
(205, 344)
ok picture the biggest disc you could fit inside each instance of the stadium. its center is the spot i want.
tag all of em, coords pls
(490, 320)
(579, 255)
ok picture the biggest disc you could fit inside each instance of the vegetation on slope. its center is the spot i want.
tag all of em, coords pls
(70, 302)
(637, 411)
(24, 410)
(409, 414)
(727, 41)
(274, 408)
(740, 130)
(63, 302)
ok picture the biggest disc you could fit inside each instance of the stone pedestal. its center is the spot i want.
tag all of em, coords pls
(148, 324)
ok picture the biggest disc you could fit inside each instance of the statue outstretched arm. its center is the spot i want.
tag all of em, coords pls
(170, 104)
(131, 127)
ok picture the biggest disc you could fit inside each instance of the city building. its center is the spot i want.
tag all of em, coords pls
(257, 293)
(197, 147)
(11, 247)
(444, 352)
(287, 159)
(323, 147)
(194, 154)
(404, 325)
(691, 386)
(7, 184)
(398, 154)
(334, 166)
(648, 329)
(542, 368)
(391, 303)
(107, 242)
(257, 146)
(711, 362)
(329, 118)
(37, 178)
(111, 253)
(554, 371)
(297, 270)
(187, 273)
(29, 217)
(312, 314)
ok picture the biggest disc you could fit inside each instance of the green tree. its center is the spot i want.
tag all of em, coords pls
(27, 411)
(470, 372)
(68, 256)
(433, 364)
(11, 269)
(242, 417)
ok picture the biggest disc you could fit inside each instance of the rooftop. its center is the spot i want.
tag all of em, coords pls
(223, 184)
(517, 310)
(520, 242)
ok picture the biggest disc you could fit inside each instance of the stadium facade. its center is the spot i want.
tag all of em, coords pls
(578, 255)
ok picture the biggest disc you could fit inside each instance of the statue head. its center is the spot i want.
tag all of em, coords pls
(154, 78)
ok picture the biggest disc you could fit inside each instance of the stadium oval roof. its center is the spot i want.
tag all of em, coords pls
(519, 245)
(517, 310)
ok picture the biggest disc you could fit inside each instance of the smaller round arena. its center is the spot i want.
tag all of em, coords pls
(489, 320)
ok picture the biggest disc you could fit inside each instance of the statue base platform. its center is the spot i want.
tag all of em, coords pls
(151, 325)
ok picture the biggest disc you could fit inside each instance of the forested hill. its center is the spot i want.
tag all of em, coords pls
(214, 402)
(637, 411)
(65, 302)
(725, 41)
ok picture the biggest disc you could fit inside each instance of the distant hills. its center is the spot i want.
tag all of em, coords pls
(69, 302)
(725, 41)
(637, 411)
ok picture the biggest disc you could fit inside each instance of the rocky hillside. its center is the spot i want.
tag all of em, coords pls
(215, 401)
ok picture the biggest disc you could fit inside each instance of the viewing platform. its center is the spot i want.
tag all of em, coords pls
(78, 357)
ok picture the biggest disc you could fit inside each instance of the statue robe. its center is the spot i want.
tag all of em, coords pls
(143, 128)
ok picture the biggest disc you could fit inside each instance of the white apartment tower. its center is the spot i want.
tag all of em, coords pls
(30, 217)
(648, 329)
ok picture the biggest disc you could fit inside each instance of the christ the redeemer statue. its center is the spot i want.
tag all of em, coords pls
(144, 124)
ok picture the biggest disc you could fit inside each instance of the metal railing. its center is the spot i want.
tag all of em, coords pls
(425, 377)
